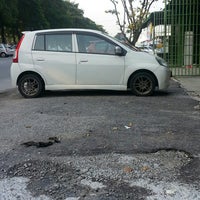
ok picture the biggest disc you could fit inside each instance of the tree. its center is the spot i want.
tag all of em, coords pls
(31, 15)
(8, 14)
(77, 17)
(55, 13)
(132, 18)
(27, 15)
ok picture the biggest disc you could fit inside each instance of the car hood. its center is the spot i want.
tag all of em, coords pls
(140, 58)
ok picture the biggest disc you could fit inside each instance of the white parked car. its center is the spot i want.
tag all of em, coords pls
(62, 59)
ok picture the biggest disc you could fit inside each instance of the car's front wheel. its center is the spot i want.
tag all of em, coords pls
(142, 84)
(30, 86)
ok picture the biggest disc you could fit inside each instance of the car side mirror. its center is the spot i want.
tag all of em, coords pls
(119, 51)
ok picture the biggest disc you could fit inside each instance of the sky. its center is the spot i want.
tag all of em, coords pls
(95, 10)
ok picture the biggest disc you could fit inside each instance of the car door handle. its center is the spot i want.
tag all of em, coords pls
(83, 61)
(40, 59)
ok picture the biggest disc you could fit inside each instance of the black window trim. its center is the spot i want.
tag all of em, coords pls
(75, 32)
(104, 38)
(51, 33)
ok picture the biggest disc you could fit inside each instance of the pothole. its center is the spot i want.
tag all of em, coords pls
(105, 176)
(61, 181)
(47, 178)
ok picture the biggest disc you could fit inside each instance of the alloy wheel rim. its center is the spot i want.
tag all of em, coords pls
(143, 85)
(30, 87)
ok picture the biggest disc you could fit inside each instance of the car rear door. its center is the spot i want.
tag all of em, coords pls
(54, 58)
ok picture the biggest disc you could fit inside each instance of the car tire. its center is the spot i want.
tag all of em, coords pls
(3, 55)
(142, 84)
(30, 86)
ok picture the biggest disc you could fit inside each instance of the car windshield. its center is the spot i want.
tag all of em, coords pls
(130, 46)
(123, 42)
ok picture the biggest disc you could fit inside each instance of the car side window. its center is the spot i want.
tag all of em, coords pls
(54, 42)
(60, 42)
(39, 43)
(94, 44)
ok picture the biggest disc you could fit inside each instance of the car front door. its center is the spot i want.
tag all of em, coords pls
(97, 63)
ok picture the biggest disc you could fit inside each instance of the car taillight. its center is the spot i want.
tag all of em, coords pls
(15, 57)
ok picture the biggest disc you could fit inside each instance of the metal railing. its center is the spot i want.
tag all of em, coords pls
(175, 35)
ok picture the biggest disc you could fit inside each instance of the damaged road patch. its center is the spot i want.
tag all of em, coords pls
(15, 188)
(168, 190)
(59, 181)
(103, 177)
(114, 146)
(47, 178)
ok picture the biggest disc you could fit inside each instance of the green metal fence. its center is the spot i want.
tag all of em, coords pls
(175, 35)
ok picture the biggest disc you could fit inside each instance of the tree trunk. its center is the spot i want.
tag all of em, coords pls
(136, 36)
(3, 35)
(13, 36)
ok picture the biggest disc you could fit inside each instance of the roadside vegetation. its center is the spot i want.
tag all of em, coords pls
(131, 17)
(27, 15)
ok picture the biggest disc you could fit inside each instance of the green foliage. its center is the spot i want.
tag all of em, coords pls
(26, 15)
(31, 15)
(132, 16)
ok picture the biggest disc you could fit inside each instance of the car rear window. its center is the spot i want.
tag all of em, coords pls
(39, 43)
(53, 42)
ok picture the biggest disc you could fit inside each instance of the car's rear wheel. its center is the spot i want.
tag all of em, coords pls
(3, 55)
(30, 86)
(142, 84)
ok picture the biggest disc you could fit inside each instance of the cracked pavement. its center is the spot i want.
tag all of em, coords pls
(113, 146)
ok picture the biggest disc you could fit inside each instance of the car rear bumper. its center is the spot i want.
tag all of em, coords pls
(14, 73)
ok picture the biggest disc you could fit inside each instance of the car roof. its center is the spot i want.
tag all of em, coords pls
(63, 30)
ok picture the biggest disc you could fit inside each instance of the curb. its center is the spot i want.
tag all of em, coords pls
(194, 95)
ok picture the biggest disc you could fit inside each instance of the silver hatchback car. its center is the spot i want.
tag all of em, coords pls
(4, 51)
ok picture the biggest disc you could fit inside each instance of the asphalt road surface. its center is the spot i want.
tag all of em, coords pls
(5, 82)
(96, 145)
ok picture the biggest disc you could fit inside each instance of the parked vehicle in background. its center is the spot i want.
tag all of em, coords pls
(146, 49)
(60, 59)
(5, 50)
(12, 48)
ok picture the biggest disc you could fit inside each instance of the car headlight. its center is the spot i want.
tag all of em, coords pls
(161, 61)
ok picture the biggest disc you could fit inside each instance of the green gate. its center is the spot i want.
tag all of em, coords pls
(175, 35)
